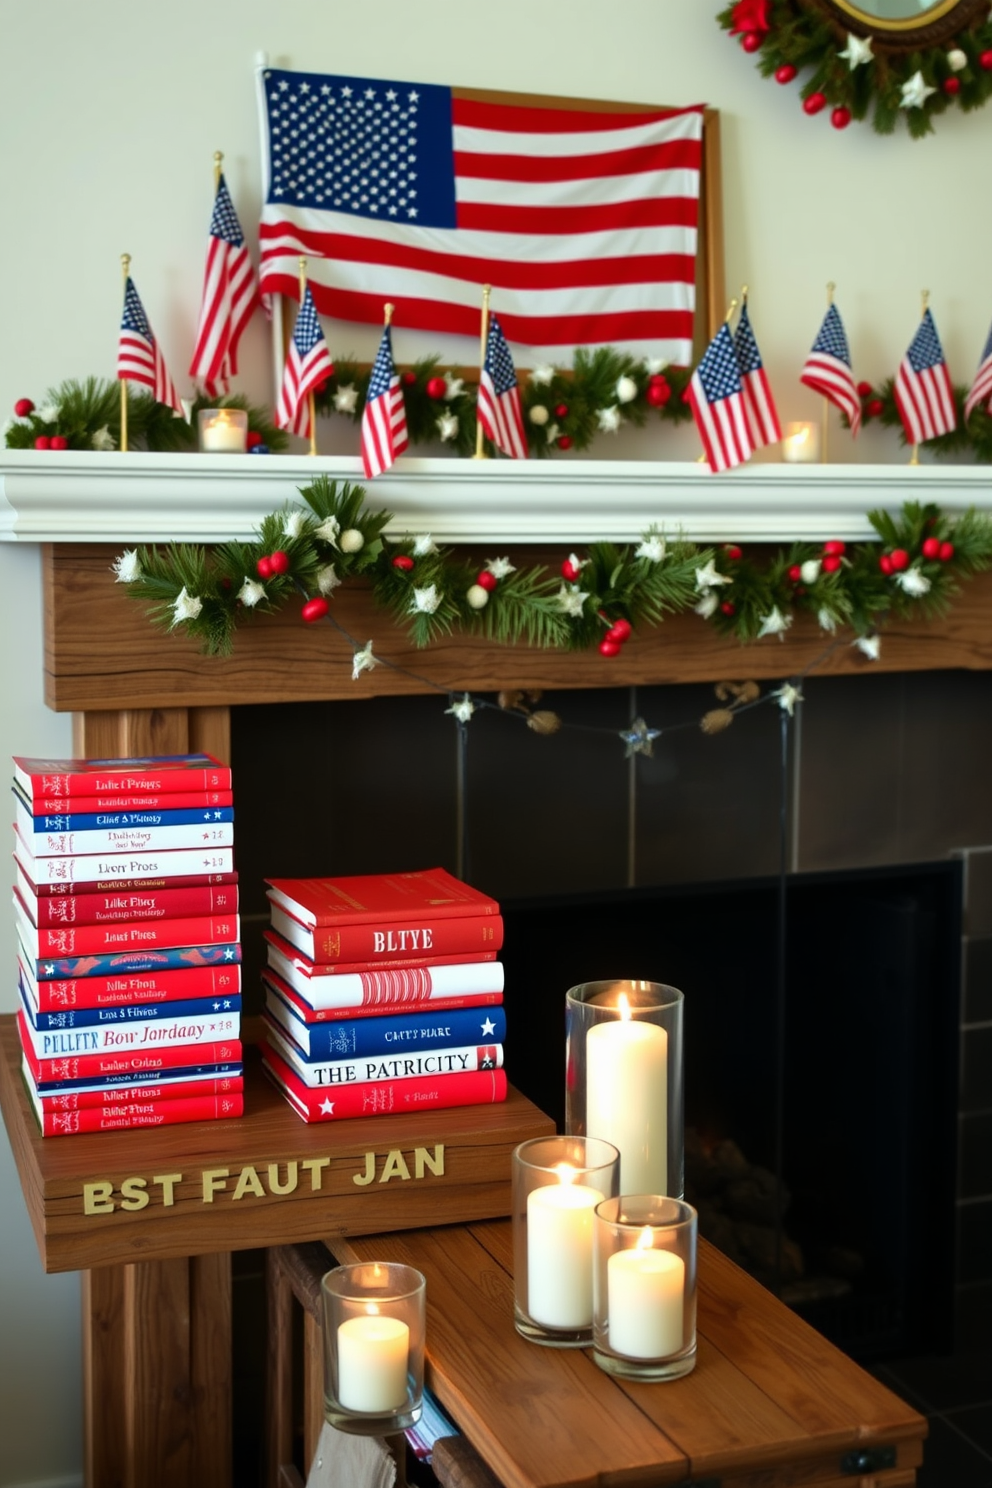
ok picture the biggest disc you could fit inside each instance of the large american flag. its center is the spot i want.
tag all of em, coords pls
(981, 389)
(308, 363)
(759, 405)
(827, 369)
(230, 292)
(583, 220)
(923, 392)
(138, 356)
(384, 416)
(716, 395)
(499, 397)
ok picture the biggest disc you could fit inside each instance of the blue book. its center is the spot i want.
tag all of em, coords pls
(173, 1074)
(92, 821)
(82, 1017)
(176, 958)
(402, 1033)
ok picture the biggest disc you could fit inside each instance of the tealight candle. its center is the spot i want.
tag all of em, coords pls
(559, 1252)
(627, 1097)
(646, 1307)
(801, 444)
(223, 431)
(372, 1363)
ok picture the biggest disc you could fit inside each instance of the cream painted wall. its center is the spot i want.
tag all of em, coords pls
(109, 116)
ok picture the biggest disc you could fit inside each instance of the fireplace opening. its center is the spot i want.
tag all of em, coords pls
(821, 1093)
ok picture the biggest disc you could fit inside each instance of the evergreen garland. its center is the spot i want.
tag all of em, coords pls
(789, 37)
(913, 570)
(972, 437)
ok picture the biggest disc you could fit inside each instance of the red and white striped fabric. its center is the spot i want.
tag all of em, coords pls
(384, 416)
(138, 356)
(759, 405)
(923, 390)
(584, 221)
(499, 408)
(230, 293)
(308, 363)
(981, 389)
(716, 396)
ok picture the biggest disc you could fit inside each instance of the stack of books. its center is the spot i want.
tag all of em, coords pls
(129, 953)
(383, 994)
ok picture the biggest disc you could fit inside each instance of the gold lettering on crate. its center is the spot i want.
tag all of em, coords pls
(395, 1165)
(249, 1182)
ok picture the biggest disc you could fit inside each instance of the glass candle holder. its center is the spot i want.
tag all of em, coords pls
(223, 431)
(801, 444)
(557, 1183)
(623, 1078)
(644, 1294)
(374, 1324)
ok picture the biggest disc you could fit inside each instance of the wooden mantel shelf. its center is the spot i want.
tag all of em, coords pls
(72, 496)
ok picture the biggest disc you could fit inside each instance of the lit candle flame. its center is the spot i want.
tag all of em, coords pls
(624, 1006)
(565, 1172)
(645, 1240)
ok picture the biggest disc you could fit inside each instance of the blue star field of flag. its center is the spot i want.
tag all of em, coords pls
(382, 370)
(925, 351)
(831, 339)
(360, 146)
(499, 363)
(307, 333)
(224, 222)
(748, 355)
(718, 371)
(134, 317)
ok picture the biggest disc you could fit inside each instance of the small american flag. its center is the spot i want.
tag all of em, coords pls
(923, 391)
(230, 292)
(308, 363)
(499, 397)
(981, 389)
(716, 395)
(384, 417)
(759, 405)
(827, 369)
(138, 356)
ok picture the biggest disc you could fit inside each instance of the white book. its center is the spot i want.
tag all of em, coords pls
(125, 1038)
(329, 1073)
(95, 867)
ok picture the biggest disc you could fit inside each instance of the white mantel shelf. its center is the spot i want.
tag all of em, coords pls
(72, 496)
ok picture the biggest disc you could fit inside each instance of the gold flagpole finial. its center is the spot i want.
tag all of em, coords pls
(743, 294)
(730, 310)
(218, 167)
(387, 314)
(831, 286)
(480, 453)
(125, 274)
(924, 296)
(303, 278)
(310, 398)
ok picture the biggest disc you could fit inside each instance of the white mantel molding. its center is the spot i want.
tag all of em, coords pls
(73, 496)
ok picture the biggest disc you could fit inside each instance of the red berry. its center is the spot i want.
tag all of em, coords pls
(885, 563)
(795, 573)
(279, 562)
(59, 441)
(874, 407)
(785, 73)
(569, 571)
(23, 407)
(320, 387)
(561, 410)
(608, 647)
(831, 563)
(985, 61)
(264, 567)
(751, 41)
(657, 394)
(728, 607)
(408, 378)
(840, 118)
(946, 552)
(564, 441)
(403, 561)
(814, 103)
(835, 548)
(487, 580)
(620, 630)
(315, 609)
(43, 442)
(864, 389)
(732, 551)
(899, 559)
(252, 438)
(436, 388)
(930, 547)
(951, 86)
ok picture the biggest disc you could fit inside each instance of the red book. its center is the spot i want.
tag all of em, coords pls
(132, 987)
(69, 888)
(379, 898)
(138, 1112)
(304, 974)
(93, 1066)
(311, 1014)
(384, 1097)
(113, 907)
(381, 942)
(83, 940)
(161, 774)
(160, 1090)
(42, 805)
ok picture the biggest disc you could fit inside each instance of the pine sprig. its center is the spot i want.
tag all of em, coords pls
(971, 436)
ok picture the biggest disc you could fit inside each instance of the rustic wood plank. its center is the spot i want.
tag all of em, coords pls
(131, 731)
(103, 1377)
(313, 1385)
(157, 1386)
(211, 1370)
(210, 732)
(279, 1369)
(101, 653)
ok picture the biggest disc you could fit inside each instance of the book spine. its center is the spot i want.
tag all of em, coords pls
(363, 1037)
(386, 1097)
(330, 1074)
(113, 908)
(76, 888)
(393, 942)
(412, 987)
(164, 775)
(107, 821)
(79, 940)
(41, 805)
(141, 1113)
(161, 1034)
(290, 963)
(92, 1066)
(176, 958)
(134, 987)
(161, 1090)
(158, 840)
(96, 869)
(197, 1007)
(307, 1013)
(98, 1084)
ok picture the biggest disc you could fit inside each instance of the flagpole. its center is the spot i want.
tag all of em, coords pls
(914, 458)
(125, 273)
(480, 453)
(701, 459)
(831, 286)
(218, 163)
(310, 401)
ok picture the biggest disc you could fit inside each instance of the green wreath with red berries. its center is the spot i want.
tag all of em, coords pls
(854, 72)
(598, 598)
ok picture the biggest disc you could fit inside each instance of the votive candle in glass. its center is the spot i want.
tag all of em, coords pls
(223, 431)
(374, 1317)
(645, 1287)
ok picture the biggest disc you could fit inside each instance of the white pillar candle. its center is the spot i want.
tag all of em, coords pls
(373, 1354)
(560, 1225)
(645, 1299)
(223, 434)
(627, 1099)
